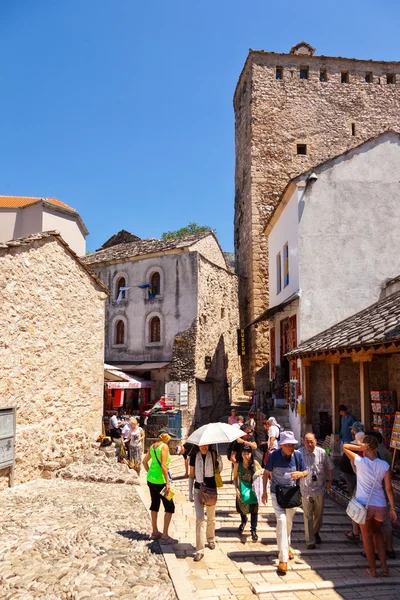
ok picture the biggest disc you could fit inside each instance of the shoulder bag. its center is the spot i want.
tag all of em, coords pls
(158, 460)
(218, 479)
(289, 496)
(247, 494)
(356, 511)
(207, 496)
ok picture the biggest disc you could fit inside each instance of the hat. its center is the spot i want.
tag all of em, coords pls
(360, 435)
(167, 431)
(247, 448)
(287, 437)
(358, 426)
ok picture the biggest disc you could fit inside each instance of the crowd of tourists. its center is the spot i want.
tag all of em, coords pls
(293, 477)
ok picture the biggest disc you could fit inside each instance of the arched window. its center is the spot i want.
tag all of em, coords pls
(121, 284)
(155, 283)
(119, 332)
(155, 329)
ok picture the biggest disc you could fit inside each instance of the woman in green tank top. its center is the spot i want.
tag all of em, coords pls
(157, 479)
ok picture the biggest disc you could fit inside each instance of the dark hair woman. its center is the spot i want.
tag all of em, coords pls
(373, 476)
(246, 500)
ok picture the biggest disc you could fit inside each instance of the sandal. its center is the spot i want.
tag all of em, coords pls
(385, 573)
(368, 572)
(353, 537)
(156, 536)
(168, 540)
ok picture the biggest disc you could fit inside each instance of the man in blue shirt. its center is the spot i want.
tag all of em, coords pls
(284, 467)
(346, 421)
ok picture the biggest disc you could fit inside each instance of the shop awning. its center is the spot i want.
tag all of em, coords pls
(142, 367)
(115, 379)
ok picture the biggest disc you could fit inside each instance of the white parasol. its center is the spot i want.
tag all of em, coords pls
(215, 433)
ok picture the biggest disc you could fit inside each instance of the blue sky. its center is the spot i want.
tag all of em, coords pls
(123, 108)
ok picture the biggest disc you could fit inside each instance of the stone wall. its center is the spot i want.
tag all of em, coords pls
(218, 321)
(272, 117)
(51, 354)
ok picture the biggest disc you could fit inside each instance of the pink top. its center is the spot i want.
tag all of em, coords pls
(232, 420)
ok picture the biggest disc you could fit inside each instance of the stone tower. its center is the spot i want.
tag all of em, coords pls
(293, 111)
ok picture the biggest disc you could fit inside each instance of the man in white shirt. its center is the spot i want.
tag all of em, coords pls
(319, 479)
(115, 433)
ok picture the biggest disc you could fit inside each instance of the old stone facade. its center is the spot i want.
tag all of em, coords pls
(294, 111)
(51, 352)
(196, 303)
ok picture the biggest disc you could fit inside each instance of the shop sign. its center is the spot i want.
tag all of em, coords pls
(7, 440)
(242, 340)
(172, 391)
(184, 394)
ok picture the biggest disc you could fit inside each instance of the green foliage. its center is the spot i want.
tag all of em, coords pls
(190, 229)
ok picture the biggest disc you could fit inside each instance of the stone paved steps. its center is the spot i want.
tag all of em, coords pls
(313, 566)
(264, 591)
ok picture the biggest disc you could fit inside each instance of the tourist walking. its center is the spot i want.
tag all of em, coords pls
(373, 477)
(273, 431)
(185, 451)
(235, 449)
(346, 421)
(350, 478)
(135, 440)
(203, 465)
(319, 479)
(246, 500)
(284, 467)
(157, 479)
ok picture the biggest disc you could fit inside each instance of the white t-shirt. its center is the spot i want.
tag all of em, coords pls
(273, 431)
(366, 474)
(126, 429)
(114, 422)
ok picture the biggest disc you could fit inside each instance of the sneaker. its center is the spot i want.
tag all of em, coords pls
(282, 568)
(391, 554)
(211, 545)
(291, 555)
(254, 536)
(318, 539)
(241, 527)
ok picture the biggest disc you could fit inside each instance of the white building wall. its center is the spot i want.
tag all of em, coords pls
(284, 231)
(28, 220)
(349, 239)
(8, 217)
(176, 306)
(68, 226)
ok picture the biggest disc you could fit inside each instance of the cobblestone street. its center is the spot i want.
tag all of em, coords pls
(239, 569)
(70, 540)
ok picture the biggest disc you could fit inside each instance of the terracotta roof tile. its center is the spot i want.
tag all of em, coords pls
(19, 201)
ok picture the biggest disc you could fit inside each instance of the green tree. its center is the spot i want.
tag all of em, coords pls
(190, 229)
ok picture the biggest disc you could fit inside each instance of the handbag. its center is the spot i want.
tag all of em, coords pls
(217, 475)
(247, 494)
(289, 496)
(207, 495)
(357, 511)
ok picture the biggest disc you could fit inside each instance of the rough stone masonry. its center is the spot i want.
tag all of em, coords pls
(286, 104)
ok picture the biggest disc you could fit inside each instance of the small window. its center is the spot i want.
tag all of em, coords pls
(119, 332)
(323, 75)
(301, 148)
(278, 273)
(121, 293)
(353, 129)
(368, 77)
(345, 77)
(279, 73)
(155, 287)
(303, 72)
(286, 264)
(391, 78)
(155, 329)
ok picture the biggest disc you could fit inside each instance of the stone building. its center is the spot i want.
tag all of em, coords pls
(173, 316)
(293, 111)
(22, 215)
(51, 351)
(329, 257)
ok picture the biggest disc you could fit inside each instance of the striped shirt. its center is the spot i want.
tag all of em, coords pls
(318, 463)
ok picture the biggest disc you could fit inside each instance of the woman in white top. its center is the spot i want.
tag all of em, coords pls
(373, 475)
(135, 439)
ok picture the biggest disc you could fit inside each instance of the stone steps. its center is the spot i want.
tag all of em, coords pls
(361, 563)
(264, 591)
